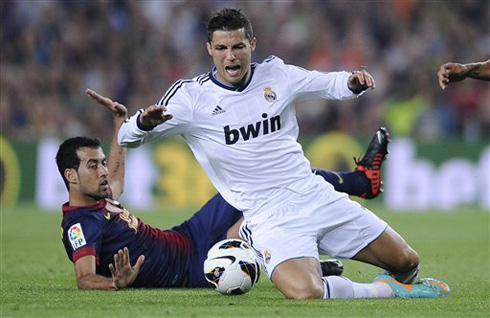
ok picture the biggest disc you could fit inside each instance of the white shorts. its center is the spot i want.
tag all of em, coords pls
(307, 219)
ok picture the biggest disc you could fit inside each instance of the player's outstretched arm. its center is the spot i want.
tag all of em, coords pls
(117, 154)
(455, 72)
(359, 81)
(123, 274)
(88, 279)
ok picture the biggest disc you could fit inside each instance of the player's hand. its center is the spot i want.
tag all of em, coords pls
(123, 274)
(153, 116)
(451, 72)
(118, 110)
(360, 81)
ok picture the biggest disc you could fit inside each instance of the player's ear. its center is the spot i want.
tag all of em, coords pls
(253, 43)
(71, 175)
(210, 49)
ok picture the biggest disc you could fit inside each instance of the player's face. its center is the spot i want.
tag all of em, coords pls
(93, 176)
(232, 54)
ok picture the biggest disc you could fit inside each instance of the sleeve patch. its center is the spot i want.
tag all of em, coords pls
(76, 237)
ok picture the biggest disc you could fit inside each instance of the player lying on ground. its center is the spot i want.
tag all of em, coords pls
(240, 122)
(98, 232)
(455, 72)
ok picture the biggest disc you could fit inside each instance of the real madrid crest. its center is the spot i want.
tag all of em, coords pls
(269, 94)
(267, 256)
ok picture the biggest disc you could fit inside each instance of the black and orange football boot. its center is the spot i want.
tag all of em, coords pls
(371, 163)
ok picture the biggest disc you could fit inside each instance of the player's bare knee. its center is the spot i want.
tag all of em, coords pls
(304, 288)
(305, 292)
(407, 261)
(413, 259)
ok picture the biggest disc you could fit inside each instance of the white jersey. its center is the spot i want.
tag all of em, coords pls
(245, 138)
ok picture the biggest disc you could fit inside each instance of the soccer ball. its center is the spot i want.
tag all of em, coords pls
(231, 267)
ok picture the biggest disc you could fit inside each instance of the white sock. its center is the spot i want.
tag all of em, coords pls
(339, 287)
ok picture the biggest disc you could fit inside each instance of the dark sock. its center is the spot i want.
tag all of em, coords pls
(352, 183)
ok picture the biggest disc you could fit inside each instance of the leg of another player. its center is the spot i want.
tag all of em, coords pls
(390, 252)
(233, 230)
(365, 180)
(352, 183)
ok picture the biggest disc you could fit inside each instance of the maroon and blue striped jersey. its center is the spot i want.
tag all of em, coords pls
(173, 258)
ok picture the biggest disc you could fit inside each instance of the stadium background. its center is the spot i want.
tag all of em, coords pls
(133, 51)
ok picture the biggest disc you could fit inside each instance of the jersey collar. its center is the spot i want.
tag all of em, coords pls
(233, 88)
(67, 208)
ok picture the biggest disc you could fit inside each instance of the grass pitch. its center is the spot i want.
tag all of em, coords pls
(38, 280)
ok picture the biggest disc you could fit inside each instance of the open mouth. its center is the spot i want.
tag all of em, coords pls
(104, 184)
(233, 69)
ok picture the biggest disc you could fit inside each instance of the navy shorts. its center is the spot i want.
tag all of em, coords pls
(205, 228)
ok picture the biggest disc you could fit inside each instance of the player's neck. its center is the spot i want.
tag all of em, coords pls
(78, 199)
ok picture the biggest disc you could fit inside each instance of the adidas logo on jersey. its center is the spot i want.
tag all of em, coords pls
(263, 127)
(217, 110)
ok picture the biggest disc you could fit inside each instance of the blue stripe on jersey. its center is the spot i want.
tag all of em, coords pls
(168, 92)
(199, 77)
(171, 92)
(202, 78)
(270, 58)
(205, 80)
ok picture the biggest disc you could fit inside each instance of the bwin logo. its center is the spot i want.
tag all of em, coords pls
(252, 130)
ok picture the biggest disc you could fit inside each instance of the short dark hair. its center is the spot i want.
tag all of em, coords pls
(229, 20)
(67, 157)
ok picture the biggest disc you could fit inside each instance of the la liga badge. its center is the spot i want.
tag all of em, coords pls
(76, 237)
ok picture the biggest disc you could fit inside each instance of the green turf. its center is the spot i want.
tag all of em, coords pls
(37, 278)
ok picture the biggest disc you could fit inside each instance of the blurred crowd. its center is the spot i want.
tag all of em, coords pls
(132, 51)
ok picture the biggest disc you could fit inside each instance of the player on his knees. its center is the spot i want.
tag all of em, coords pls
(293, 216)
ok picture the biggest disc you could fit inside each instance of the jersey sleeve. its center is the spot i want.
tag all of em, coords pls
(307, 84)
(83, 236)
(178, 102)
